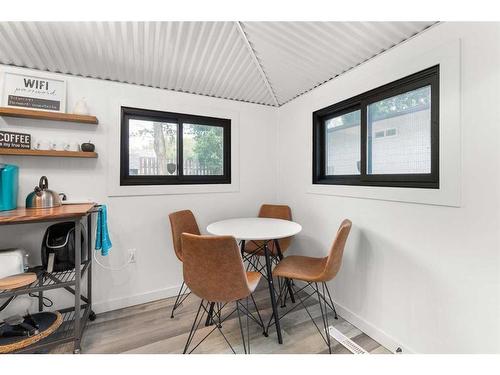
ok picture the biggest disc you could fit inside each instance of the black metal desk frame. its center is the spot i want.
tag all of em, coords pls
(75, 317)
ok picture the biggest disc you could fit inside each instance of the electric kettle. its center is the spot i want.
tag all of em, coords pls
(9, 176)
(42, 197)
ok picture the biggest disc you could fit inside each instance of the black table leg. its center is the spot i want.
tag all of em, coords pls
(271, 292)
(288, 283)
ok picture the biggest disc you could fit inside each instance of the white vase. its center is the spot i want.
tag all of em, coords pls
(80, 107)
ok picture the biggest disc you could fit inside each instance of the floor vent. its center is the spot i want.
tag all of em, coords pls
(346, 341)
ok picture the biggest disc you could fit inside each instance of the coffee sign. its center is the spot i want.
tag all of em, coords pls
(43, 94)
(15, 140)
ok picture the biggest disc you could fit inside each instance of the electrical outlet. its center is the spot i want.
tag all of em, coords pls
(132, 255)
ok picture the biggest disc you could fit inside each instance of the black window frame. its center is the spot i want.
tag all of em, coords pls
(126, 179)
(427, 77)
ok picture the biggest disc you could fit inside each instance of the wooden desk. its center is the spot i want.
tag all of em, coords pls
(33, 215)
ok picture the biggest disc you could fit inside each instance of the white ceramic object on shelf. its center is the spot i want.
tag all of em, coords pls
(81, 107)
(74, 146)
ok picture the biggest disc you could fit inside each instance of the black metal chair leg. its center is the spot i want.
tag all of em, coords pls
(331, 301)
(264, 332)
(288, 282)
(241, 326)
(194, 327)
(325, 318)
(210, 314)
(248, 327)
(177, 302)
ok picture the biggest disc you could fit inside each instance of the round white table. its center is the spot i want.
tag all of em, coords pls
(260, 229)
(255, 228)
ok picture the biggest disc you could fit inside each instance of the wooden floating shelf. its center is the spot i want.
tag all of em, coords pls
(43, 115)
(53, 153)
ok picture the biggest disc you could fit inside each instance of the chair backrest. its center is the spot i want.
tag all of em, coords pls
(276, 211)
(213, 268)
(182, 222)
(334, 259)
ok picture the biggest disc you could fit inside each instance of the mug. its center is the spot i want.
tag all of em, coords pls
(53, 145)
(74, 146)
(40, 144)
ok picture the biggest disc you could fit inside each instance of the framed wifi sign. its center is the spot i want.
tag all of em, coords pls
(30, 92)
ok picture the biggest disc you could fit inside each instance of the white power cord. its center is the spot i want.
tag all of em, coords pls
(113, 268)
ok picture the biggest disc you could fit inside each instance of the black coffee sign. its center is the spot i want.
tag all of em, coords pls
(15, 140)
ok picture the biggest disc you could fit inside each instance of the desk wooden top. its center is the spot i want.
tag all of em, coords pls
(33, 215)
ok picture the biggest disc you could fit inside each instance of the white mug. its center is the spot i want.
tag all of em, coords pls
(35, 144)
(56, 146)
(74, 146)
(40, 144)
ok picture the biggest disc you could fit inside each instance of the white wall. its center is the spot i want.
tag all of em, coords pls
(141, 222)
(423, 277)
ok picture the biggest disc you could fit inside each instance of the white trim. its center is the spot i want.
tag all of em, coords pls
(136, 299)
(448, 56)
(386, 340)
(113, 138)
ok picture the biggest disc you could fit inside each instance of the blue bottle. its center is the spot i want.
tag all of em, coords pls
(9, 179)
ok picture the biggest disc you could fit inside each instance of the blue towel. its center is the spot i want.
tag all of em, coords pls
(102, 240)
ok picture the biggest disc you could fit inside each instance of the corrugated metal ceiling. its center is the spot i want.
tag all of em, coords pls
(259, 62)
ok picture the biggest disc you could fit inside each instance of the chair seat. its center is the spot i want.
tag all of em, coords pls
(301, 268)
(253, 280)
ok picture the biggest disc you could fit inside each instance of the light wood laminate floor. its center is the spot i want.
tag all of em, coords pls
(148, 329)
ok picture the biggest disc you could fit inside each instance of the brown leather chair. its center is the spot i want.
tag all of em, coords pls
(181, 222)
(214, 271)
(314, 271)
(252, 251)
(273, 211)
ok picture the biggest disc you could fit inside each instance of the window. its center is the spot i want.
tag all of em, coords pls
(163, 148)
(388, 136)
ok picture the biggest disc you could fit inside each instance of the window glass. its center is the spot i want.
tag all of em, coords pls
(399, 134)
(152, 148)
(203, 150)
(343, 144)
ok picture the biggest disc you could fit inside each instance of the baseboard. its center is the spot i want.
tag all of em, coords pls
(137, 299)
(389, 342)
(386, 340)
